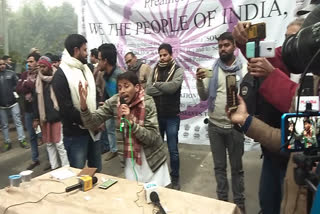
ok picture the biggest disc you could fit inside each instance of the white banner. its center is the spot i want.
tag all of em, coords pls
(190, 26)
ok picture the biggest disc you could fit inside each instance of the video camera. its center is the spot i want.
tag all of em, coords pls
(298, 50)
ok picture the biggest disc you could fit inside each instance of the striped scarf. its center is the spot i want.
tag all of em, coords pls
(137, 116)
(164, 66)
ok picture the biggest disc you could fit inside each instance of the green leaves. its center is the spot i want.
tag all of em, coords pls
(34, 25)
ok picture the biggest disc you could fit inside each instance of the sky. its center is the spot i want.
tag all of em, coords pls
(15, 4)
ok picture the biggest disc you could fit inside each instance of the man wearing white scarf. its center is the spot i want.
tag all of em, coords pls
(79, 142)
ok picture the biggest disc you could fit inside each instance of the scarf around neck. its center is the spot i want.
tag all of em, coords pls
(75, 71)
(236, 67)
(39, 92)
(165, 66)
(135, 68)
(137, 115)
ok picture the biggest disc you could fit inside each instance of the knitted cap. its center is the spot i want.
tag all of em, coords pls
(45, 61)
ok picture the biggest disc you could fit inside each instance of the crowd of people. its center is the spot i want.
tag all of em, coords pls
(85, 108)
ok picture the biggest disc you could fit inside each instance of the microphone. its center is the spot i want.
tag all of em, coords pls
(155, 199)
(85, 183)
(122, 101)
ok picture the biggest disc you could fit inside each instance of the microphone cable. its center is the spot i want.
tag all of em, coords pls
(32, 202)
(131, 147)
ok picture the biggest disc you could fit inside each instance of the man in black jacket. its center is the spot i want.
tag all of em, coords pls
(164, 85)
(80, 143)
(8, 101)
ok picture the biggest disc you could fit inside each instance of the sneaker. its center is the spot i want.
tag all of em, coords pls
(6, 147)
(33, 164)
(24, 144)
(110, 155)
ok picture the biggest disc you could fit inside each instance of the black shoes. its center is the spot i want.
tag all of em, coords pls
(33, 164)
(175, 184)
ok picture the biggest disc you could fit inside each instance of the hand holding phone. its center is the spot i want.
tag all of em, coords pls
(204, 73)
(232, 91)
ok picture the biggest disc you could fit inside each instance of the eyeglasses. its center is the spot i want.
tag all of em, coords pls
(2, 63)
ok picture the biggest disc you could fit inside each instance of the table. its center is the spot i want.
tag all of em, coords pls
(123, 197)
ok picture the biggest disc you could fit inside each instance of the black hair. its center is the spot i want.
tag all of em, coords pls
(130, 53)
(35, 55)
(49, 55)
(5, 57)
(130, 76)
(307, 121)
(55, 58)
(226, 36)
(108, 51)
(74, 41)
(165, 46)
(94, 52)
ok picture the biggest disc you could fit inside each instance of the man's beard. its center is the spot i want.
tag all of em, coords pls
(226, 57)
(83, 60)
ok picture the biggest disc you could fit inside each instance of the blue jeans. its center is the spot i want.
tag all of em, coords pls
(104, 141)
(28, 119)
(82, 148)
(271, 186)
(170, 127)
(111, 133)
(15, 112)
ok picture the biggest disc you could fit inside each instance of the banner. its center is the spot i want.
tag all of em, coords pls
(190, 26)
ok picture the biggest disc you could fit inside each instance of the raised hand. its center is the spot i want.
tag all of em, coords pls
(239, 32)
(83, 93)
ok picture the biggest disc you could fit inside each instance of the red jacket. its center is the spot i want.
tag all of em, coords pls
(25, 86)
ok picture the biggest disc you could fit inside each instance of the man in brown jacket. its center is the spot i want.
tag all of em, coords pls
(135, 65)
(294, 199)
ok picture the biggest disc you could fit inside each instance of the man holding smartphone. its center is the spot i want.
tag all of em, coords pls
(223, 136)
(269, 74)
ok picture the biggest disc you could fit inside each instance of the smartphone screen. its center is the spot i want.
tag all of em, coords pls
(304, 135)
(232, 100)
(108, 183)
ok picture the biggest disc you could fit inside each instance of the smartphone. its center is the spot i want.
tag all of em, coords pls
(260, 49)
(304, 135)
(267, 49)
(208, 72)
(257, 31)
(232, 91)
(108, 183)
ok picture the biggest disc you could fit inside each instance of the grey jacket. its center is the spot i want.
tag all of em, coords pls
(148, 135)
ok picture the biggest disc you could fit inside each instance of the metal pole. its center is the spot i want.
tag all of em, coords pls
(5, 27)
